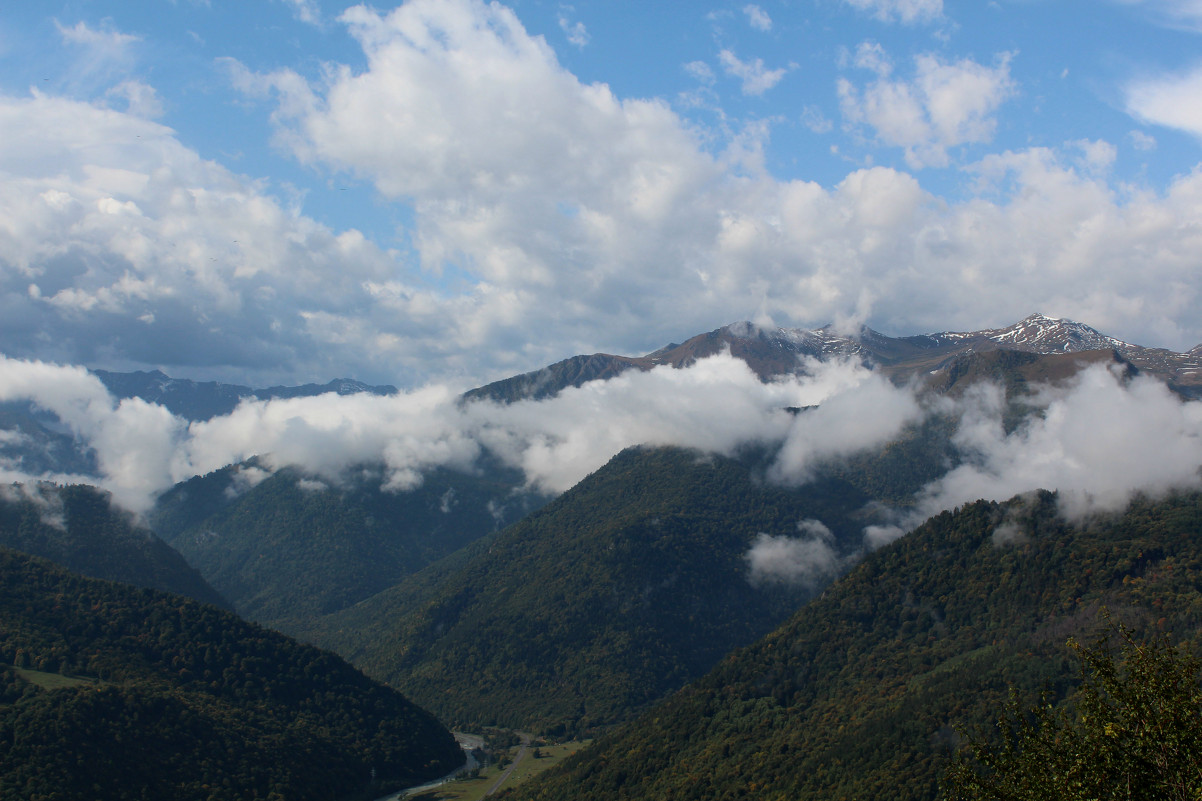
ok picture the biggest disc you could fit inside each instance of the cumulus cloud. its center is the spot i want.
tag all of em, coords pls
(1168, 100)
(860, 411)
(1097, 155)
(1142, 141)
(134, 440)
(715, 406)
(108, 44)
(119, 245)
(246, 477)
(813, 118)
(700, 71)
(907, 11)
(945, 105)
(544, 204)
(1008, 533)
(140, 99)
(521, 210)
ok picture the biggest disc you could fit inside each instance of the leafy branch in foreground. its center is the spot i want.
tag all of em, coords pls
(1132, 730)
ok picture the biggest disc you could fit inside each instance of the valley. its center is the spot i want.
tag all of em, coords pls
(816, 603)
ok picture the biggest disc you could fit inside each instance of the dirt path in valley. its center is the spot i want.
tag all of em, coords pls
(504, 777)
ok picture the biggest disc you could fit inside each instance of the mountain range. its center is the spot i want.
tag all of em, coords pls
(204, 400)
(34, 442)
(723, 631)
(287, 546)
(775, 351)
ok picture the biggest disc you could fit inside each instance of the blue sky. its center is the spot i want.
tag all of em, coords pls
(292, 190)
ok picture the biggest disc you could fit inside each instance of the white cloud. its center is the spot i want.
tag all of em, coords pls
(141, 99)
(871, 56)
(109, 44)
(906, 11)
(120, 244)
(99, 58)
(1097, 155)
(809, 560)
(700, 71)
(246, 477)
(1099, 441)
(550, 217)
(306, 11)
(758, 18)
(945, 105)
(860, 411)
(1142, 141)
(1008, 533)
(576, 33)
(716, 406)
(133, 439)
(756, 78)
(1169, 100)
(44, 498)
(1176, 13)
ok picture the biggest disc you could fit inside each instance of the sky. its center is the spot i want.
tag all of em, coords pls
(454, 191)
(442, 193)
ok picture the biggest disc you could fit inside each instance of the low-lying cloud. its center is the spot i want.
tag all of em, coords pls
(808, 560)
(716, 405)
(1098, 439)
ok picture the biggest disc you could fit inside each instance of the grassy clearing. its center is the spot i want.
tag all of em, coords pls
(50, 681)
(529, 767)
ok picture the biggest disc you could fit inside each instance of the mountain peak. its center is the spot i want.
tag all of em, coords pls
(1039, 333)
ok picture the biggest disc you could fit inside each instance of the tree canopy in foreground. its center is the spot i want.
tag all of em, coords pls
(1132, 730)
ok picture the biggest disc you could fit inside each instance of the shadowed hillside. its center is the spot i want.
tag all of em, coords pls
(185, 701)
(859, 694)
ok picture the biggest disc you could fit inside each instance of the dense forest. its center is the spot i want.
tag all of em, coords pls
(1132, 731)
(291, 547)
(175, 699)
(623, 589)
(863, 693)
(77, 527)
(485, 603)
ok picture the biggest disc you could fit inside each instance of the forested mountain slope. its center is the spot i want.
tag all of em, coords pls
(621, 590)
(77, 527)
(184, 701)
(859, 693)
(291, 547)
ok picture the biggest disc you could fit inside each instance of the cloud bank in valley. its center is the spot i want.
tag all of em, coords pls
(717, 405)
(1097, 439)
